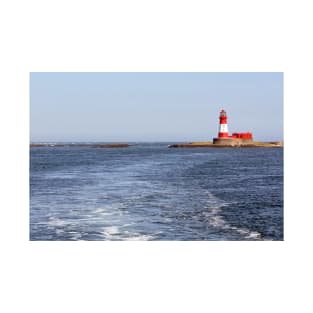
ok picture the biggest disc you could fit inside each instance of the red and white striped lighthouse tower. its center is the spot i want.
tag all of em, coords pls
(223, 129)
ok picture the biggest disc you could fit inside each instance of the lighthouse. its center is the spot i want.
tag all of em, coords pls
(224, 139)
(223, 128)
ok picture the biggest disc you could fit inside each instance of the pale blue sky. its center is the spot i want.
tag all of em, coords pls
(153, 106)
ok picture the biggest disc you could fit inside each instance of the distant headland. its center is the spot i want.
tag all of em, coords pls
(96, 145)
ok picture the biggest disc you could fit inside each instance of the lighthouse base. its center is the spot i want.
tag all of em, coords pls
(231, 141)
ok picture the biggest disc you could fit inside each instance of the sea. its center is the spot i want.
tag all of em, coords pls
(149, 191)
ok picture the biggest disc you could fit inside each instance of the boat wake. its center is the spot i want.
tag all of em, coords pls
(216, 220)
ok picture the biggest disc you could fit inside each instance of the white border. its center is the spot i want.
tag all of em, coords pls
(154, 36)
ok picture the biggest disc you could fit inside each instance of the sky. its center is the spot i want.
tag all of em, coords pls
(134, 107)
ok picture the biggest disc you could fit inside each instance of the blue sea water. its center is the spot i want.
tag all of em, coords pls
(151, 192)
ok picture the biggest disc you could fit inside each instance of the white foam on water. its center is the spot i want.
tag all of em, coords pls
(54, 221)
(215, 219)
(103, 211)
(139, 237)
(254, 235)
(115, 232)
(75, 235)
(110, 232)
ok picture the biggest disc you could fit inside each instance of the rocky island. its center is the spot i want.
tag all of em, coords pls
(225, 140)
(232, 144)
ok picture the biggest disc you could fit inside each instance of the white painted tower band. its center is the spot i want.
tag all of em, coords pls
(223, 128)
